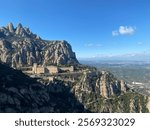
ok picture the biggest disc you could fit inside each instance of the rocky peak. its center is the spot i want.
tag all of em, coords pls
(28, 48)
(19, 25)
(10, 27)
(20, 30)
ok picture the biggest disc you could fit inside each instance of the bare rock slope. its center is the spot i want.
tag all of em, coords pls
(88, 90)
(20, 47)
(20, 93)
(102, 92)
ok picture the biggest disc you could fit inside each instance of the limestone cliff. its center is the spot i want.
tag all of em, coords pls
(102, 92)
(88, 92)
(101, 83)
(20, 47)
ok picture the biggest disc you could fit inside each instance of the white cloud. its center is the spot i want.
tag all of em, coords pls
(124, 30)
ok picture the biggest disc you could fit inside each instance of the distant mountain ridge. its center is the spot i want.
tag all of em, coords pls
(20, 47)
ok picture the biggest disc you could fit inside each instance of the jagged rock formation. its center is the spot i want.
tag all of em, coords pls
(86, 91)
(20, 47)
(102, 92)
(20, 93)
(90, 92)
(101, 83)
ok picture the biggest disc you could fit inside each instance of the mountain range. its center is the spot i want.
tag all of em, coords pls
(85, 90)
(19, 47)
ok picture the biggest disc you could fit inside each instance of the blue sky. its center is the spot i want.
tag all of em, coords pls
(94, 28)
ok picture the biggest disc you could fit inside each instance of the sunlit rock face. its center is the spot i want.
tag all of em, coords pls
(20, 47)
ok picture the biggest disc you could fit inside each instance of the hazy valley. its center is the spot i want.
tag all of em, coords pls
(134, 73)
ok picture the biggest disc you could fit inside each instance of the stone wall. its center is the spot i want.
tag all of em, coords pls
(50, 69)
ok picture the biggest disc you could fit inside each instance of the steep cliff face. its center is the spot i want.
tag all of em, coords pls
(102, 92)
(89, 92)
(20, 47)
(101, 83)
(84, 91)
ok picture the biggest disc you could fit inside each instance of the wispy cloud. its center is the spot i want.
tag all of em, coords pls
(134, 55)
(92, 45)
(88, 45)
(115, 33)
(124, 30)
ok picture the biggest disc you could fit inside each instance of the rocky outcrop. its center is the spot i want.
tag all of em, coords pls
(20, 93)
(84, 91)
(20, 47)
(88, 92)
(102, 92)
(10, 27)
(148, 104)
(101, 83)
